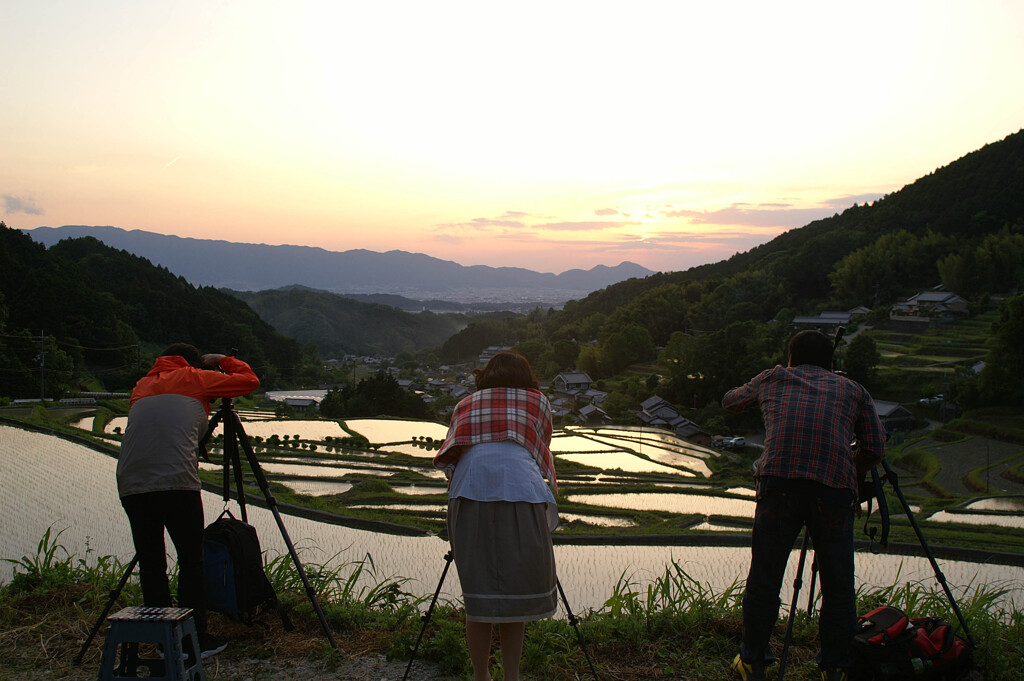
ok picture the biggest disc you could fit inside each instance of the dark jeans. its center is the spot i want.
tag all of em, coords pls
(783, 508)
(181, 512)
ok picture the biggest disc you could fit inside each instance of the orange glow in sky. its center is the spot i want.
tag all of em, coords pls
(546, 135)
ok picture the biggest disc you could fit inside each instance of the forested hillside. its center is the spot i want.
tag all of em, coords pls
(81, 303)
(338, 325)
(960, 227)
(97, 311)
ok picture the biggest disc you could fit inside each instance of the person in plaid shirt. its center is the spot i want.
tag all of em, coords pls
(807, 476)
(500, 511)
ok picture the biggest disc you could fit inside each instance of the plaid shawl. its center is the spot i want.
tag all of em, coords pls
(500, 414)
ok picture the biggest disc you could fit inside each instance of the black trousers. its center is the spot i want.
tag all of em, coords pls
(181, 513)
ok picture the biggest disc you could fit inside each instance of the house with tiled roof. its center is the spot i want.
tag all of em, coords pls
(931, 305)
(571, 382)
(592, 415)
(660, 413)
(894, 416)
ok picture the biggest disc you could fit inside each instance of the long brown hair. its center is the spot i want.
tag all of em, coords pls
(507, 369)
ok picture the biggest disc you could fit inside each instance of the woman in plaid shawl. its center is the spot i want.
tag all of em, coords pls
(500, 510)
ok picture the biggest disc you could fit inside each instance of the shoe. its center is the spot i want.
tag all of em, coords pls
(834, 674)
(210, 645)
(748, 671)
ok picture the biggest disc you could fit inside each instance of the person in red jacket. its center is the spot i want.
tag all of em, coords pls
(158, 471)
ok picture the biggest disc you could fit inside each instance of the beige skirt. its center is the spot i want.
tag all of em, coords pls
(504, 558)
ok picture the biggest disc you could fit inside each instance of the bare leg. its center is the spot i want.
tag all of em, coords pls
(511, 634)
(478, 639)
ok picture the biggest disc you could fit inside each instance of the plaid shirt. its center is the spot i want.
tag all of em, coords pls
(500, 414)
(811, 417)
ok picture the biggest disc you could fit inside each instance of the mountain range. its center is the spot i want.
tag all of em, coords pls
(257, 267)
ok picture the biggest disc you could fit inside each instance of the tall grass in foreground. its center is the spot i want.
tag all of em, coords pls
(674, 626)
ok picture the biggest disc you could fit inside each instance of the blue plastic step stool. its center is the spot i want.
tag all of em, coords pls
(172, 628)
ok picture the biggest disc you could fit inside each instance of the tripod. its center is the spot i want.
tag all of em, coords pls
(448, 557)
(892, 478)
(234, 436)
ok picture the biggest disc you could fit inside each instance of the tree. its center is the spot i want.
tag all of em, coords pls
(702, 368)
(861, 358)
(564, 353)
(378, 395)
(1000, 382)
(620, 406)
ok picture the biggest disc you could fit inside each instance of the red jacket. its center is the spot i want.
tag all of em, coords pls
(168, 415)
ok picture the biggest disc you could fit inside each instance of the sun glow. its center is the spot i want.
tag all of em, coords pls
(546, 135)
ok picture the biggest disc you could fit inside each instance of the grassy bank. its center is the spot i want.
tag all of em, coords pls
(673, 627)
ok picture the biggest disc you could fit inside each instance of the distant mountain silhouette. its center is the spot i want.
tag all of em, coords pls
(256, 267)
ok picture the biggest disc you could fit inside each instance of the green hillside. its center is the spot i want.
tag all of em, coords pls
(339, 326)
(87, 309)
(100, 315)
(960, 228)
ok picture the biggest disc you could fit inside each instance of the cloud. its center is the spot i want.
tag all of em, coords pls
(519, 221)
(606, 211)
(768, 214)
(843, 202)
(484, 223)
(16, 204)
(583, 226)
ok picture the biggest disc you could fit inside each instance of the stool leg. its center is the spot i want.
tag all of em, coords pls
(109, 659)
(190, 643)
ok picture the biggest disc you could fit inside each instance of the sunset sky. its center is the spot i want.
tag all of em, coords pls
(546, 135)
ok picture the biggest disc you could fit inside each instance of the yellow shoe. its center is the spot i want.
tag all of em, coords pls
(748, 671)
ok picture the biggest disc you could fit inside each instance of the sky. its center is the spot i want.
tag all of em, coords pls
(547, 135)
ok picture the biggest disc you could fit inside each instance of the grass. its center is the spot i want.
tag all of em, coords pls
(672, 627)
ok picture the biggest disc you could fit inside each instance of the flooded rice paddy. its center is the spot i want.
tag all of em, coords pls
(50, 482)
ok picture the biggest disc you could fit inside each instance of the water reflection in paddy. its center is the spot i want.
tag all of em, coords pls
(1009, 504)
(317, 471)
(718, 527)
(647, 436)
(627, 463)
(88, 511)
(381, 431)
(421, 489)
(672, 503)
(742, 491)
(574, 443)
(598, 520)
(427, 507)
(978, 519)
(304, 429)
(305, 471)
(84, 424)
(317, 488)
(660, 447)
(411, 449)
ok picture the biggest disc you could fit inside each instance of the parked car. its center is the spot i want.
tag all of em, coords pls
(732, 442)
(934, 399)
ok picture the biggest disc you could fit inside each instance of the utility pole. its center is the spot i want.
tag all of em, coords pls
(42, 366)
(988, 469)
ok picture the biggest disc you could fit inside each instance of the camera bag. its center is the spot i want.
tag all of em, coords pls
(236, 583)
(889, 645)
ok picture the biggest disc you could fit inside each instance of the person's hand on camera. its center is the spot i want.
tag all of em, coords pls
(212, 360)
